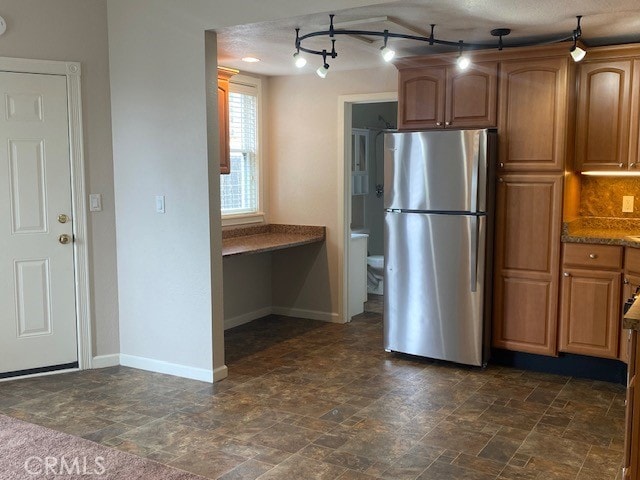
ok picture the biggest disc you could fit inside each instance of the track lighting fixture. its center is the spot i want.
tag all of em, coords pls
(388, 54)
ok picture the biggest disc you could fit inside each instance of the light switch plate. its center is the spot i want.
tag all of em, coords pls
(627, 203)
(160, 204)
(95, 202)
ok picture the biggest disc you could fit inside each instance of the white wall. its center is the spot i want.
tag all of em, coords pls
(76, 30)
(304, 186)
(166, 263)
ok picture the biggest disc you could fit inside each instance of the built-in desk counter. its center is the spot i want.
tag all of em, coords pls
(266, 238)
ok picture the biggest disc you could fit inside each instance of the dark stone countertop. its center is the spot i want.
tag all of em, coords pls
(604, 231)
(266, 238)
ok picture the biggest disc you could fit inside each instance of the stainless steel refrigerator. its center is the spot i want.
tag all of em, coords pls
(438, 243)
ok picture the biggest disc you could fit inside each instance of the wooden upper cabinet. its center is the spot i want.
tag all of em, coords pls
(533, 114)
(602, 121)
(421, 98)
(527, 260)
(445, 97)
(224, 74)
(634, 124)
(472, 96)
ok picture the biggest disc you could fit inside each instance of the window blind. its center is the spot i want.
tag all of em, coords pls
(239, 189)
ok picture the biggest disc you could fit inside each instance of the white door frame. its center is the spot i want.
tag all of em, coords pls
(71, 70)
(345, 104)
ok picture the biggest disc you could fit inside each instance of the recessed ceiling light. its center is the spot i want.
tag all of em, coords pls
(250, 59)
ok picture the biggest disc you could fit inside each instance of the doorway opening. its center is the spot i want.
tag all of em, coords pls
(365, 120)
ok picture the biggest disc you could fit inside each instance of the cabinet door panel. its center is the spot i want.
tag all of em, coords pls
(532, 118)
(525, 301)
(602, 129)
(421, 98)
(471, 99)
(590, 306)
(527, 259)
(529, 221)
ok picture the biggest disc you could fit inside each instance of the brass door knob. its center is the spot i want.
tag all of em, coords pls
(64, 239)
(593, 255)
(62, 218)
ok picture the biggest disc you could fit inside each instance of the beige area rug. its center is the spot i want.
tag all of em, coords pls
(33, 452)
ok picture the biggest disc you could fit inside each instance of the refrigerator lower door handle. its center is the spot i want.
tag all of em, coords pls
(473, 257)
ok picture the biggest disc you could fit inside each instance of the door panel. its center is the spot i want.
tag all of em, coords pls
(37, 292)
(436, 171)
(602, 129)
(472, 96)
(434, 285)
(527, 259)
(590, 321)
(532, 117)
(421, 98)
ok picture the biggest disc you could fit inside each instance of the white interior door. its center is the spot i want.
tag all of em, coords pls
(37, 294)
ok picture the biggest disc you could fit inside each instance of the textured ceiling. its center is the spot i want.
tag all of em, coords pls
(604, 22)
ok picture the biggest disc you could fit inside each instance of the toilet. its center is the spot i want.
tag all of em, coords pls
(375, 274)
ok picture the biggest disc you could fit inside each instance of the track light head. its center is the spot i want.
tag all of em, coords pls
(577, 53)
(323, 70)
(299, 60)
(386, 52)
(463, 61)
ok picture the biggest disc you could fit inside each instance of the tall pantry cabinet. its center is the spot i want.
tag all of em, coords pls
(532, 125)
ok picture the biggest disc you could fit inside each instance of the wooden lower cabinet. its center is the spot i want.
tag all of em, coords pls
(527, 260)
(631, 461)
(590, 312)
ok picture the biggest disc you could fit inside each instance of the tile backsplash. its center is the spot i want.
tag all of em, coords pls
(602, 196)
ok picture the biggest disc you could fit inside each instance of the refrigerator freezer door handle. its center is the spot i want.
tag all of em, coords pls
(473, 257)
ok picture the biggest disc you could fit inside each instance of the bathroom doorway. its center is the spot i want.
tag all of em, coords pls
(369, 122)
(365, 122)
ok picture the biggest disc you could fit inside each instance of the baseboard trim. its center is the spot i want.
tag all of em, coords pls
(104, 361)
(308, 314)
(160, 366)
(220, 373)
(247, 317)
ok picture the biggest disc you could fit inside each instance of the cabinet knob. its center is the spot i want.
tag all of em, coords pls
(447, 123)
(626, 281)
(621, 165)
(566, 274)
(438, 124)
(500, 179)
(593, 255)
(632, 165)
(501, 165)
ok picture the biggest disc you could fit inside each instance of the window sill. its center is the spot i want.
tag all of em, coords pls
(243, 219)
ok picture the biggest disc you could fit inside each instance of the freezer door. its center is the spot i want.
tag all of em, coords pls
(436, 171)
(434, 285)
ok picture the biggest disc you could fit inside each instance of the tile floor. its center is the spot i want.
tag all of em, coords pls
(311, 400)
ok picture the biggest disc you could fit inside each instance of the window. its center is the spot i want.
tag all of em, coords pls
(240, 189)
